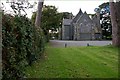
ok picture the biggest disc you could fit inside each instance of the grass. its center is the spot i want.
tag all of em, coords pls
(76, 62)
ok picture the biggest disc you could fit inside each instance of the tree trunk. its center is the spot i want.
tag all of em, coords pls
(39, 13)
(115, 19)
(0, 43)
(118, 22)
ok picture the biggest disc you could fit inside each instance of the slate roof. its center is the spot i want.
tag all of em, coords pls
(77, 16)
(84, 15)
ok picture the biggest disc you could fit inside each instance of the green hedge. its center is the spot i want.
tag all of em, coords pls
(21, 45)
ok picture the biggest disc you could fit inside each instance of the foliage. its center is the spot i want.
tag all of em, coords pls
(22, 44)
(77, 62)
(66, 15)
(51, 19)
(20, 6)
(105, 20)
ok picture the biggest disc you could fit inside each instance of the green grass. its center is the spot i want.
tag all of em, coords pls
(76, 62)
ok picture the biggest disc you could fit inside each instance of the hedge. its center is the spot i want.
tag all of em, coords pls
(22, 44)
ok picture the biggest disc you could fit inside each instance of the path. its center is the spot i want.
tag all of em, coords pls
(61, 43)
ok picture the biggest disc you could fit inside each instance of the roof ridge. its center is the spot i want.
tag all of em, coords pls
(77, 16)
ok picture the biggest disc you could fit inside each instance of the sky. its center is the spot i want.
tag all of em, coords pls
(68, 6)
(74, 6)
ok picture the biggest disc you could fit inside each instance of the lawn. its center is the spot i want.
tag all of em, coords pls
(76, 62)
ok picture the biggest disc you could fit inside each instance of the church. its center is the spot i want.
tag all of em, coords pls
(81, 27)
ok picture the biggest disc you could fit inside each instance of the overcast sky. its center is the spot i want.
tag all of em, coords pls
(70, 5)
(74, 6)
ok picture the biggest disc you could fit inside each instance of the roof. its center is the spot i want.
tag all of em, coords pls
(84, 15)
(77, 16)
(67, 21)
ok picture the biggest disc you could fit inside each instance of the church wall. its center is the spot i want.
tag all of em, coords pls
(60, 34)
(71, 32)
(85, 36)
(74, 32)
(84, 31)
(81, 29)
(85, 28)
(66, 31)
(98, 36)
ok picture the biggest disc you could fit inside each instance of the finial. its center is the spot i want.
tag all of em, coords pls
(80, 11)
(85, 12)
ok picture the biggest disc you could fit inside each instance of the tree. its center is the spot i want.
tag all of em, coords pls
(20, 6)
(0, 42)
(39, 13)
(115, 18)
(67, 15)
(50, 20)
(105, 20)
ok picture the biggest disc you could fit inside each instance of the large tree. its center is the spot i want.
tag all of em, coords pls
(39, 13)
(115, 18)
(50, 19)
(105, 20)
(0, 42)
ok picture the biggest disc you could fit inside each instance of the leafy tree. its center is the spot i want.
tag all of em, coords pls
(50, 19)
(22, 44)
(105, 20)
(67, 15)
(115, 18)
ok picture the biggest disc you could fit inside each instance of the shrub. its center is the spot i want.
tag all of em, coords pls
(22, 44)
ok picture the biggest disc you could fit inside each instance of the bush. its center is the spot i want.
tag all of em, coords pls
(22, 44)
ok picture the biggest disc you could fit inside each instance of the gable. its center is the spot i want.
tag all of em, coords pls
(84, 19)
(97, 26)
(84, 24)
(77, 16)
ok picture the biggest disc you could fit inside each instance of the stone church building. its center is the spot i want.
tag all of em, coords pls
(81, 27)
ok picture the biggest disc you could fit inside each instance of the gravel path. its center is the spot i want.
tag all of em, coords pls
(61, 43)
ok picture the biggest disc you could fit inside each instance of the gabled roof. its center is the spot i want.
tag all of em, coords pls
(94, 17)
(86, 15)
(77, 16)
(96, 22)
